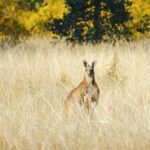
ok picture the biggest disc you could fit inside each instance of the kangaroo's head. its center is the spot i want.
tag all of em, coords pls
(89, 69)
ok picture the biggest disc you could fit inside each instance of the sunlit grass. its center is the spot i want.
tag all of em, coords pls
(35, 78)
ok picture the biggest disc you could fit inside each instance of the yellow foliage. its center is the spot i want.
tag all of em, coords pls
(15, 20)
(12, 17)
(33, 21)
(8, 13)
(87, 26)
(90, 9)
(140, 12)
(90, 24)
(105, 14)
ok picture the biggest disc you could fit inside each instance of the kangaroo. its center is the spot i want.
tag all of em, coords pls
(87, 92)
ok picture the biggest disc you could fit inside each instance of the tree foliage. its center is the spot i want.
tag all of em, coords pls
(21, 17)
(139, 24)
(76, 20)
(9, 25)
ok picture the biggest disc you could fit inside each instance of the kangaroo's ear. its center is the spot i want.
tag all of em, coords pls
(93, 63)
(84, 63)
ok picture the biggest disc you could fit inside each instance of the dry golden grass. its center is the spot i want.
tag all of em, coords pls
(35, 78)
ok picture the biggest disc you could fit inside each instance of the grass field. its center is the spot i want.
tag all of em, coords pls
(35, 78)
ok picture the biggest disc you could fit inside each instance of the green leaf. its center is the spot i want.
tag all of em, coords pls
(37, 5)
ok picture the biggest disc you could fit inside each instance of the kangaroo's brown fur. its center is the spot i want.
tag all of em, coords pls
(87, 93)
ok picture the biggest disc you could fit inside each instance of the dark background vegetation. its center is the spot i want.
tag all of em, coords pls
(79, 20)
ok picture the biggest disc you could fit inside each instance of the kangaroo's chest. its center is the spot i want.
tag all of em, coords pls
(90, 93)
(89, 97)
(90, 90)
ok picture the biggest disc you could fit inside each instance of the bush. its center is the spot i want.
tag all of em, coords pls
(76, 20)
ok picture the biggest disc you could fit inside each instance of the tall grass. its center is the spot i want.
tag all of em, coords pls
(35, 78)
